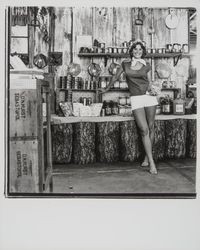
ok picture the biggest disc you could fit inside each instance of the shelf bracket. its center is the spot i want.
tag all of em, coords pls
(176, 59)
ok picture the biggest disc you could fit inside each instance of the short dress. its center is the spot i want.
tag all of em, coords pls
(138, 84)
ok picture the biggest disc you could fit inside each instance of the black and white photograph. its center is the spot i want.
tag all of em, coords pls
(101, 101)
(99, 125)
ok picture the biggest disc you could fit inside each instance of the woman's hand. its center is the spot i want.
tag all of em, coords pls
(154, 90)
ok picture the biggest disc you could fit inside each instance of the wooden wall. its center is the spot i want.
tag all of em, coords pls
(113, 28)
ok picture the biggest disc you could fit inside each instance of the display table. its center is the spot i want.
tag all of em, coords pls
(84, 140)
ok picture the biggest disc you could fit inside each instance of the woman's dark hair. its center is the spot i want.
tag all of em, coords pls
(134, 46)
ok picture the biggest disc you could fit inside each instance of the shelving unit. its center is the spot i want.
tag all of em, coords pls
(176, 56)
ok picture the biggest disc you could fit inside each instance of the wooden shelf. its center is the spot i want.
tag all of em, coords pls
(123, 55)
(86, 90)
(118, 89)
(174, 89)
(176, 56)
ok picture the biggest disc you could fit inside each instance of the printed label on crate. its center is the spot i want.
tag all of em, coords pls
(23, 112)
(24, 166)
(20, 106)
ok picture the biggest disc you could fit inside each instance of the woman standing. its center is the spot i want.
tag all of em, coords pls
(143, 103)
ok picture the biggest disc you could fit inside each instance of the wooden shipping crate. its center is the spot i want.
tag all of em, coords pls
(25, 166)
(25, 109)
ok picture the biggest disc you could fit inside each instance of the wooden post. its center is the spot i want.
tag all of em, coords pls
(62, 142)
(107, 141)
(191, 138)
(84, 143)
(159, 145)
(130, 143)
(175, 138)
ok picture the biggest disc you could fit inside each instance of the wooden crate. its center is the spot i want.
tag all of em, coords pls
(25, 108)
(30, 164)
(25, 171)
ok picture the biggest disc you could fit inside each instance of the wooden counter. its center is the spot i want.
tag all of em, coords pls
(84, 140)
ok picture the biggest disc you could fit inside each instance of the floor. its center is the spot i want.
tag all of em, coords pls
(174, 177)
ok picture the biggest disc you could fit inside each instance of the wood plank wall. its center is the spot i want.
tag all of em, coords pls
(117, 26)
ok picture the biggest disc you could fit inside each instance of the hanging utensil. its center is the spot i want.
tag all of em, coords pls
(74, 69)
(40, 61)
(138, 20)
(94, 69)
(171, 20)
(113, 68)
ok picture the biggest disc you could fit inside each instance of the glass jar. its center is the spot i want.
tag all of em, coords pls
(122, 100)
(115, 110)
(103, 82)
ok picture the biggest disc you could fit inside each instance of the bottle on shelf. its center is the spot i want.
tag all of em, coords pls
(179, 105)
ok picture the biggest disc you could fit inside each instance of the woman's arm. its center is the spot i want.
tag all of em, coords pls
(114, 78)
(149, 79)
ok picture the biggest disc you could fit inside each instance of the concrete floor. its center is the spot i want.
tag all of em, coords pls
(174, 177)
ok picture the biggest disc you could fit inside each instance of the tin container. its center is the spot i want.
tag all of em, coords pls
(169, 47)
(176, 47)
(122, 100)
(119, 50)
(163, 50)
(128, 101)
(115, 50)
(125, 50)
(149, 51)
(84, 101)
(185, 48)
(116, 85)
(159, 50)
(153, 51)
(125, 44)
(102, 45)
(110, 50)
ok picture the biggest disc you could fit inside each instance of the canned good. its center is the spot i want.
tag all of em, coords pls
(116, 85)
(176, 47)
(102, 45)
(123, 85)
(159, 51)
(122, 100)
(84, 101)
(163, 50)
(119, 50)
(128, 100)
(169, 47)
(125, 44)
(149, 51)
(110, 49)
(125, 50)
(115, 50)
(185, 48)
(153, 51)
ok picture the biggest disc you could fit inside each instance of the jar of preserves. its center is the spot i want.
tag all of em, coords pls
(115, 110)
(103, 82)
(122, 100)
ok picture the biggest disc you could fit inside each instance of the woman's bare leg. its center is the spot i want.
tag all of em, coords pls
(140, 118)
(150, 116)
